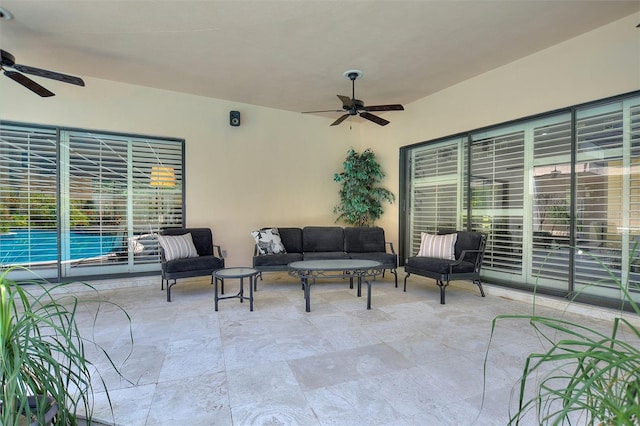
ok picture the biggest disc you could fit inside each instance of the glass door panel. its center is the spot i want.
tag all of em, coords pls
(434, 192)
(497, 195)
(606, 189)
(28, 201)
(551, 180)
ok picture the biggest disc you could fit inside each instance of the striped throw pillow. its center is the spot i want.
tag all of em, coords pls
(438, 246)
(177, 246)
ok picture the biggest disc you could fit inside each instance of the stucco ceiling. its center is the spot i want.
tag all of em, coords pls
(291, 55)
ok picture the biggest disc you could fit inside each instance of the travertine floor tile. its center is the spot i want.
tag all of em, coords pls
(407, 361)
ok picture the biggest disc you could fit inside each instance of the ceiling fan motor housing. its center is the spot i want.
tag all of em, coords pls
(358, 105)
(7, 59)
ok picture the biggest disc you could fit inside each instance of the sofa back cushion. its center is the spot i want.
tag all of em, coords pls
(364, 240)
(202, 238)
(291, 239)
(468, 240)
(322, 238)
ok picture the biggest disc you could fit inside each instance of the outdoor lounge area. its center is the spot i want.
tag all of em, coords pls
(407, 361)
(519, 120)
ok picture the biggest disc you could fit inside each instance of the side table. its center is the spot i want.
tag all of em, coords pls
(241, 273)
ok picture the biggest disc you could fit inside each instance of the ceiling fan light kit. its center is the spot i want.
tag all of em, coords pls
(352, 106)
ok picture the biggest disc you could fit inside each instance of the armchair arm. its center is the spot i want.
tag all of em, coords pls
(163, 258)
(458, 261)
(390, 244)
(219, 250)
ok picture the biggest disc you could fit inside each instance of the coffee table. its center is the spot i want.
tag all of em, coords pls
(309, 270)
(241, 273)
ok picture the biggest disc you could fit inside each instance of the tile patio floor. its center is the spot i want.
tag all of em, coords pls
(407, 361)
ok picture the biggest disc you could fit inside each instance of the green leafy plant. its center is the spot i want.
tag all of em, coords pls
(42, 353)
(360, 198)
(583, 376)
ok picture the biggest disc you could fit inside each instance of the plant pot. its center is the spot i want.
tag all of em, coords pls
(52, 410)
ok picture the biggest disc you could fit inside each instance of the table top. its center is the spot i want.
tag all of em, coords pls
(239, 272)
(334, 265)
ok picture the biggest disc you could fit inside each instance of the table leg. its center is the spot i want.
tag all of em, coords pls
(359, 285)
(368, 294)
(215, 293)
(252, 280)
(241, 289)
(307, 294)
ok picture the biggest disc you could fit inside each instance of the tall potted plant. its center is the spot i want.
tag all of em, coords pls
(360, 197)
(583, 375)
(44, 371)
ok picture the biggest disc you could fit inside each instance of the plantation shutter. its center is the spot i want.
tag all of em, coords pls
(435, 183)
(157, 181)
(551, 201)
(497, 196)
(97, 208)
(28, 197)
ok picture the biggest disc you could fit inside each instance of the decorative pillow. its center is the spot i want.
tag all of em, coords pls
(438, 246)
(268, 241)
(177, 246)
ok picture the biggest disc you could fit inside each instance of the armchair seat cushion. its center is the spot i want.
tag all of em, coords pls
(438, 266)
(192, 265)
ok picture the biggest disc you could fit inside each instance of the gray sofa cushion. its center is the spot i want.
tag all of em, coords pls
(322, 239)
(291, 239)
(364, 240)
(325, 255)
(276, 259)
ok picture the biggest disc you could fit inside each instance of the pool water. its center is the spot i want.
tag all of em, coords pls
(20, 247)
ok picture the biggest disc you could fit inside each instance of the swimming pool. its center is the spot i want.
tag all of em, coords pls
(22, 246)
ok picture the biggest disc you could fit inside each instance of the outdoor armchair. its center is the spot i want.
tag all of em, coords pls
(450, 257)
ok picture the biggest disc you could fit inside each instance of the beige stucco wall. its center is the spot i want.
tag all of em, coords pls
(277, 167)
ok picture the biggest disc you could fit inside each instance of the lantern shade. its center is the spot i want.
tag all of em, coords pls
(162, 176)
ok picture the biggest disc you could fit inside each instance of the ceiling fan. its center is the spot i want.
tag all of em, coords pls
(353, 106)
(8, 61)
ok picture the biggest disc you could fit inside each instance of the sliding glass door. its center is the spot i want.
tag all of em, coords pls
(607, 222)
(557, 195)
(79, 203)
